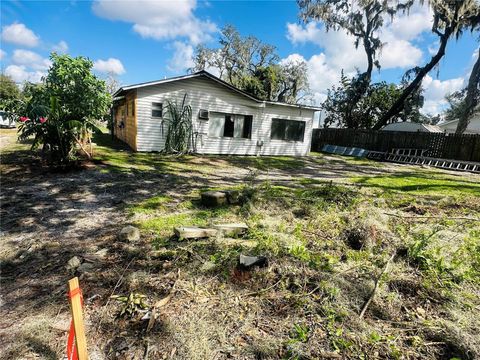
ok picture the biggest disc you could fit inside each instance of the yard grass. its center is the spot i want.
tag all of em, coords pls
(327, 225)
(421, 182)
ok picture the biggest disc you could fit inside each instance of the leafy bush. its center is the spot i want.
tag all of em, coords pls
(60, 114)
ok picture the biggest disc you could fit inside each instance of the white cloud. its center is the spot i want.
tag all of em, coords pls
(338, 46)
(61, 47)
(435, 92)
(2, 54)
(19, 34)
(161, 20)
(410, 25)
(398, 53)
(30, 59)
(19, 74)
(182, 57)
(110, 65)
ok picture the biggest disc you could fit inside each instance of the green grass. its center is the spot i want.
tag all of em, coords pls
(421, 183)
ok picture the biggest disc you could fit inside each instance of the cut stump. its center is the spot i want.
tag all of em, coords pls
(214, 198)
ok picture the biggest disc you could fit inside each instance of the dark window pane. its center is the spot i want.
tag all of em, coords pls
(157, 113)
(289, 130)
(247, 127)
(157, 110)
(229, 126)
(278, 129)
(133, 107)
(301, 131)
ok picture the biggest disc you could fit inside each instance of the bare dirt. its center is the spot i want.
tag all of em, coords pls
(49, 217)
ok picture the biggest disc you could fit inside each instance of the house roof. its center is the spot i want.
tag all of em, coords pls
(411, 126)
(208, 75)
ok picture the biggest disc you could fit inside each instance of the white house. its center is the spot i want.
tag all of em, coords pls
(472, 128)
(411, 126)
(226, 120)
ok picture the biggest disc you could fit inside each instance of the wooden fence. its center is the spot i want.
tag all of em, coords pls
(439, 145)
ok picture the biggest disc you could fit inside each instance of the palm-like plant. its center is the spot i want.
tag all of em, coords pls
(179, 137)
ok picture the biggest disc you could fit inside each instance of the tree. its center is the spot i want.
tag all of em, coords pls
(472, 97)
(112, 84)
(450, 18)
(10, 95)
(370, 107)
(362, 19)
(252, 66)
(61, 113)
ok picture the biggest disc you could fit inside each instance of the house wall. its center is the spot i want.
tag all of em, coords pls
(473, 126)
(404, 126)
(204, 93)
(126, 121)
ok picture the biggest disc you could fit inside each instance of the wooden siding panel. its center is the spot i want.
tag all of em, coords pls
(206, 94)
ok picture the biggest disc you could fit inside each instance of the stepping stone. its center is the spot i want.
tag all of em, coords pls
(129, 234)
(248, 262)
(232, 229)
(214, 198)
(185, 232)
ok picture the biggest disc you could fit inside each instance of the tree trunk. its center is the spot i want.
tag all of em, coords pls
(365, 77)
(471, 99)
(397, 107)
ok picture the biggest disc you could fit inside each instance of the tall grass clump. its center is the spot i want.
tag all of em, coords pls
(179, 128)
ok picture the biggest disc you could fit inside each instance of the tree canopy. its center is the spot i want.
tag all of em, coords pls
(467, 104)
(253, 66)
(10, 95)
(363, 20)
(60, 112)
(450, 19)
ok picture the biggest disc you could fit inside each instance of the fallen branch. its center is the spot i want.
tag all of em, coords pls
(377, 282)
(431, 217)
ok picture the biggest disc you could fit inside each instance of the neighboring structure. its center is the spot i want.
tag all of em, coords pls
(6, 121)
(226, 120)
(411, 126)
(472, 128)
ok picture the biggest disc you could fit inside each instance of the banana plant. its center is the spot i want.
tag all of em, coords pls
(57, 133)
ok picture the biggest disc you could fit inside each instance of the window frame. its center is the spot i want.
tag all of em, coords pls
(247, 119)
(285, 127)
(154, 107)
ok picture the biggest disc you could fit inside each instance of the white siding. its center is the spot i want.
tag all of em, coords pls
(204, 93)
(473, 125)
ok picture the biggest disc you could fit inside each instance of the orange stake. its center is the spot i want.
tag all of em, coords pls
(75, 297)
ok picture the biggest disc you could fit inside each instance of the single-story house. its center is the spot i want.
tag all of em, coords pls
(412, 127)
(472, 128)
(226, 120)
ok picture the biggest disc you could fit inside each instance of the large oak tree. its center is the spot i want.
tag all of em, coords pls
(450, 19)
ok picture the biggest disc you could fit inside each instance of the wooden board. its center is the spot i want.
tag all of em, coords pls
(186, 232)
(236, 229)
(77, 315)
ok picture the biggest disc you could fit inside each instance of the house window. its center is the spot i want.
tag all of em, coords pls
(157, 109)
(288, 130)
(230, 125)
(132, 107)
(247, 127)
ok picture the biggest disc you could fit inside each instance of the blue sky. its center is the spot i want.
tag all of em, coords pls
(148, 40)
